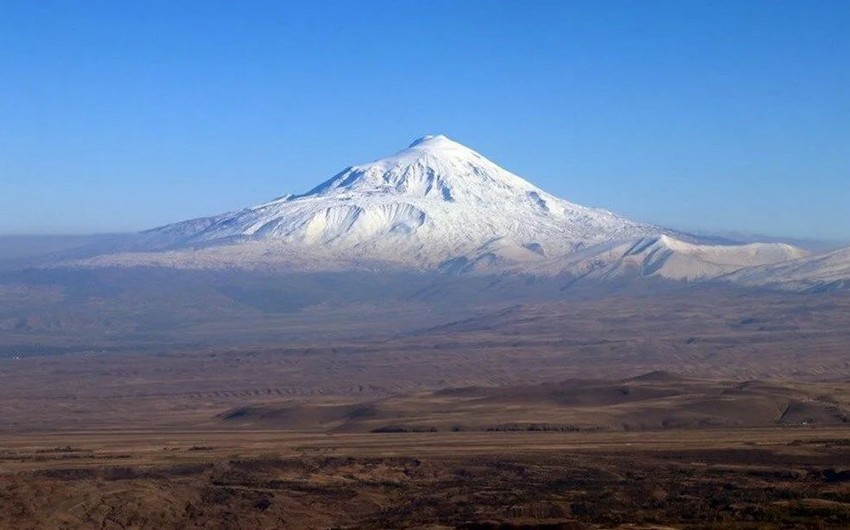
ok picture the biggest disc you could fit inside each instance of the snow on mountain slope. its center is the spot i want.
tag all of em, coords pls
(824, 272)
(432, 202)
(669, 258)
(436, 205)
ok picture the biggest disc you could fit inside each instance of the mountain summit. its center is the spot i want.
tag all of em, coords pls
(433, 167)
(437, 205)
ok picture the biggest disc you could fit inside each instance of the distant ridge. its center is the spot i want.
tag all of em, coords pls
(658, 376)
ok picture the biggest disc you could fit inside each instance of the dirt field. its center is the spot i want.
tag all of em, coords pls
(653, 451)
(741, 478)
(717, 412)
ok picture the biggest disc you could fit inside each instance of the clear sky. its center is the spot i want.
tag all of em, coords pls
(720, 115)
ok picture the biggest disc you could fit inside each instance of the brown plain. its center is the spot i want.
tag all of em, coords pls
(713, 411)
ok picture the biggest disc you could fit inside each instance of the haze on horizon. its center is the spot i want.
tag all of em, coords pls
(723, 117)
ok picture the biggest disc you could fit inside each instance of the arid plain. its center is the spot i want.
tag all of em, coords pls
(713, 410)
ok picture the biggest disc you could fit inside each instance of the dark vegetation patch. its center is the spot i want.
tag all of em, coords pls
(537, 427)
(712, 488)
(404, 428)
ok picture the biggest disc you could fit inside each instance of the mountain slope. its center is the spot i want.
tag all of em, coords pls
(825, 272)
(669, 258)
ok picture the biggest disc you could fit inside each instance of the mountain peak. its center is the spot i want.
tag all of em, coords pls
(433, 141)
(435, 146)
(434, 166)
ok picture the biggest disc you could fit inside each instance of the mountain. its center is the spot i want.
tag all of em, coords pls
(436, 206)
(825, 272)
(669, 258)
(423, 207)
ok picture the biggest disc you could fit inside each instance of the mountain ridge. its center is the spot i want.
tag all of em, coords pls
(821, 272)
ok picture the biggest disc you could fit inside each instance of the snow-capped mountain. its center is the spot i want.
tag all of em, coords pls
(431, 203)
(437, 205)
(824, 272)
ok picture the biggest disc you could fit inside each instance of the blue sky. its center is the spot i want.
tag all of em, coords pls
(720, 115)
